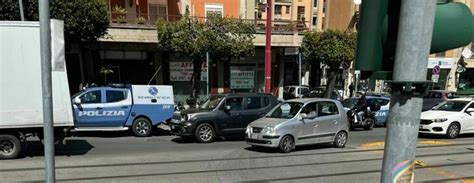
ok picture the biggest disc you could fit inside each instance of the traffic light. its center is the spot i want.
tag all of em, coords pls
(378, 29)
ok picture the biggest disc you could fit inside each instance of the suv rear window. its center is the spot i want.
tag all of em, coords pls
(254, 102)
(266, 101)
(234, 103)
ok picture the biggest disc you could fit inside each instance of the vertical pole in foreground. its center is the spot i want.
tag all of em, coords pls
(299, 68)
(20, 3)
(45, 38)
(268, 49)
(207, 73)
(412, 52)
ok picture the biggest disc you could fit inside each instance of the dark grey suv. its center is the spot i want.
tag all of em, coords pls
(222, 115)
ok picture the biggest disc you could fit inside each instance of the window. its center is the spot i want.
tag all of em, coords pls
(315, 3)
(266, 101)
(287, 10)
(254, 102)
(441, 54)
(285, 110)
(471, 106)
(327, 109)
(300, 14)
(303, 91)
(315, 20)
(216, 9)
(91, 97)
(234, 103)
(378, 101)
(157, 12)
(115, 96)
(278, 9)
(310, 109)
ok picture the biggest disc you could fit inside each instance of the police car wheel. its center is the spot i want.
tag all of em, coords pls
(10, 147)
(205, 133)
(142, 127)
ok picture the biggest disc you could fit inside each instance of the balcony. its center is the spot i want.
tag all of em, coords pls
(283, 2)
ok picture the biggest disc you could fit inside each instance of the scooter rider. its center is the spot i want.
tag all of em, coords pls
(360, 107)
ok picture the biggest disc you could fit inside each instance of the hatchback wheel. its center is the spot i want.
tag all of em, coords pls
(286, 144)
(453, 131)
(205, 133)
(340, 140)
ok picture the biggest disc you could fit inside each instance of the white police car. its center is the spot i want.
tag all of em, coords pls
(140, 107)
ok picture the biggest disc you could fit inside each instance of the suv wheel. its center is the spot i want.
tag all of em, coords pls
(205, 133)
(286, 144)
(453, 131)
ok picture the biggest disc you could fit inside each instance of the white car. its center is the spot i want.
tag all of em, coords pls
(450, 118)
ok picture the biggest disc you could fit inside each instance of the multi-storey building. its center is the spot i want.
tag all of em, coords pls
(130, 52)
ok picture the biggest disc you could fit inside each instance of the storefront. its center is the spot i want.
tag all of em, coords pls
(466, 79)
(446, 65)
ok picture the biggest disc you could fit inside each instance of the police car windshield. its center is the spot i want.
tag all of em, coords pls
(212, 102)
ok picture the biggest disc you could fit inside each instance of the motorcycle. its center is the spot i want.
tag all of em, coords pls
(179, 107)
(366, 120)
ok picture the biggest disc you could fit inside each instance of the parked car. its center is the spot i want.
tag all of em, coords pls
(318, 92)
(380, 115)
(221, 115)
(450, 118)
(298, 122)
(434, 97)
(291, 92)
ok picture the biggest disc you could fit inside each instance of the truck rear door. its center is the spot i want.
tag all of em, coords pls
(118, 103)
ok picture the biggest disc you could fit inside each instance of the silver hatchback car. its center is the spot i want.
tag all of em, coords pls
(300, 122)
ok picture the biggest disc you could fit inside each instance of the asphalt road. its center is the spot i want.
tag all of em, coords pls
(119, 157)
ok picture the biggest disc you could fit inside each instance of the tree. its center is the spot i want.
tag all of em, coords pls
(330, 48)
(220, 37)
(84, 20)
(231, 37)
(186, 38)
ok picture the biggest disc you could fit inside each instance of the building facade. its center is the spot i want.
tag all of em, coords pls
(128, 54)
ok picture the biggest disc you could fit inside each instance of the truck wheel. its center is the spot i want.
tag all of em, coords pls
(10, 147)
(205, 133)
(142, 127)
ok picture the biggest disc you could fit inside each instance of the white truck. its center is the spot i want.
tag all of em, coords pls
(140, 107)
(21, 111)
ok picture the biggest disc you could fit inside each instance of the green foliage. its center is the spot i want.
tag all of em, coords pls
(192, 38)
(329, 47)
(221, 37)
(230, 37)
(84, 20)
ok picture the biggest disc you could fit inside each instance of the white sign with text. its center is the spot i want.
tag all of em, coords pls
(183, 71)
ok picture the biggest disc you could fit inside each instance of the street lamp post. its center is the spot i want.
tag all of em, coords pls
(268, 49)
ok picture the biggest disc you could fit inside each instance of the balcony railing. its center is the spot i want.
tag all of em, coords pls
(145, 21)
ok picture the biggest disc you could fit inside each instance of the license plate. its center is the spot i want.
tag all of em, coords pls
(254, 136)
